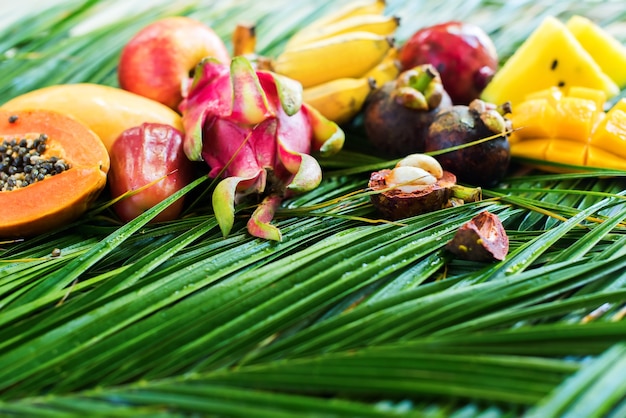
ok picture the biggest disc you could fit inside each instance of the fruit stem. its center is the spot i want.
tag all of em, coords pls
(422, 77)
(505, 108)
(244, 39)
(467, 194)
(419, 88)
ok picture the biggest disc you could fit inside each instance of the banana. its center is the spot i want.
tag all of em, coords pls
(340, 99)
(354, 8)
(373, 23)
(244, 39)
(387, 70)
(107, 111)
(346, 55)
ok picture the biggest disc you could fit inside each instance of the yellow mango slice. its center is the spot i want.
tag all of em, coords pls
(549, 113)
(610, 134)
(557, 150)
(565, 151)
(597, 157)
(597, 96)
(533, 118)
(530, 148)
(574, 118)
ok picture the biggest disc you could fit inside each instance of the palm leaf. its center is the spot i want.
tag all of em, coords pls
(348, 315)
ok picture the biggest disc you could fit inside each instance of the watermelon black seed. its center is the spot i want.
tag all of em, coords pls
(554, 64)
(22, 163)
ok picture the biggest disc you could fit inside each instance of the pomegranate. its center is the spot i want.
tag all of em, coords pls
(462, 52)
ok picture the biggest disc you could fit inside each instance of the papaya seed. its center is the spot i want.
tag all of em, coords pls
(22, 163)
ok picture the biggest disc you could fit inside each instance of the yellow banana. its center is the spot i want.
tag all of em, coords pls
(346, 55)
(244, 39)
(340, 99)
(107, 111)
(373, 23)
(354, 8)
(387, 70)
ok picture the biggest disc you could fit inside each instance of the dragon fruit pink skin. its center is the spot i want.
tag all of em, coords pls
(253, 130)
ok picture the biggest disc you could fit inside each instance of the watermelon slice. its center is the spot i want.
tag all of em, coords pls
(606, 50)
(550, 57)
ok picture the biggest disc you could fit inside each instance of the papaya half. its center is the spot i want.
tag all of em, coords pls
(106, 110)
(52, 168)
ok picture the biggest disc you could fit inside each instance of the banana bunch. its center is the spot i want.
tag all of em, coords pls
(341, 57)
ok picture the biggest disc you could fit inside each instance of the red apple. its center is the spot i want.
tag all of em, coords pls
(156, 61)
(463, 53)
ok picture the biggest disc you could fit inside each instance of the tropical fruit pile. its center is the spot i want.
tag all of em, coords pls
(189, 229)
(259, 123)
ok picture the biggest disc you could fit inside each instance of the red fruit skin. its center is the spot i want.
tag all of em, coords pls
(141, 155)
(483, 238)
(156, 61)
(463, 53)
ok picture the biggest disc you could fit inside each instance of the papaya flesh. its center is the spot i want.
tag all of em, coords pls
(60, 198)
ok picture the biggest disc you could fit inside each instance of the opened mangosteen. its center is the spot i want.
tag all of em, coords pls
(483, 238)
(416, 185)
(397, 114)
(483, 164)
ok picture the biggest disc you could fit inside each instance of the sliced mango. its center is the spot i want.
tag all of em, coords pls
(574, 118)
(610, 134)
(570, 129)
(533, 118)
(551, 114)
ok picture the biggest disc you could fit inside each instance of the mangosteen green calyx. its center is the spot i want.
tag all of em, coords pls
(397, 115)
(483, 238)
(483, 164)
(416, 185)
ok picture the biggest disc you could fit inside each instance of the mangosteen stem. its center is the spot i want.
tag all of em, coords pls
(467, 194)
(505, 108)
(419, 88)
(425, 74)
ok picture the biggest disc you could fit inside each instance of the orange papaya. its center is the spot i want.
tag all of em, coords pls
(52, 168)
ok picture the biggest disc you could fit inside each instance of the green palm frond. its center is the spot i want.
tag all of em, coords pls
(349, 315)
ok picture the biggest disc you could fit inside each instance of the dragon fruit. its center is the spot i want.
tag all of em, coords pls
(255, 133)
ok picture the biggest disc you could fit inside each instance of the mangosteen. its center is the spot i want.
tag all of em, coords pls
(398, 113)
(416, 185)
(483, 238)
(483, 164)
